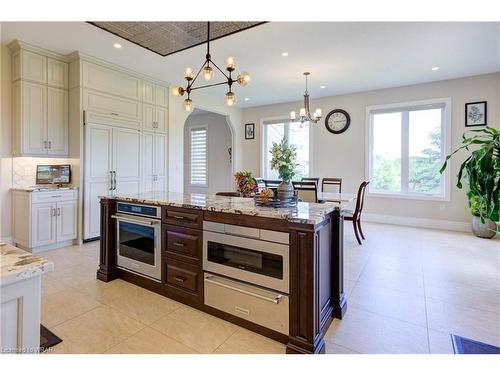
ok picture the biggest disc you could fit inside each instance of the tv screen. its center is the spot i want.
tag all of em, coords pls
(53, 174)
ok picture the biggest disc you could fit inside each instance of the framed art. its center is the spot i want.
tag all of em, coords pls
(249, 131)
(476, 114)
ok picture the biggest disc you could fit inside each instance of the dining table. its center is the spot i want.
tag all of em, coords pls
(336, 197)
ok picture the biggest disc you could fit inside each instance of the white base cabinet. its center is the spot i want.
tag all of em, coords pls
(44, 220)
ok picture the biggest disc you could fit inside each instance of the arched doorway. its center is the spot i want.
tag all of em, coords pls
(208, 153)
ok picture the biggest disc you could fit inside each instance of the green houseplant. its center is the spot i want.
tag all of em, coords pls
(481, 170)
(283, 160)
(245, 182)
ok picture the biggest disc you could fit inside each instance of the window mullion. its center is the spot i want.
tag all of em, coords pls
(405, 150)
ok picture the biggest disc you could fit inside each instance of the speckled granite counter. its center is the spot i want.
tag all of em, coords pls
(17, 265)
(303, 213)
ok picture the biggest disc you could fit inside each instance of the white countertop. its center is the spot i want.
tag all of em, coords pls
(17, 265)
(39, 188)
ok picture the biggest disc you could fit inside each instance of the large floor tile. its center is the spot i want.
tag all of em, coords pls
(393, 279)
(64, 305)
(389, 302)
(105, 292)
(195, 329)
(440, 343)
(338, 349)
(75, 275)
(95, 331)
(150, 341)
(464, 321)
(247, 342)
(366, 332)
(51, 285)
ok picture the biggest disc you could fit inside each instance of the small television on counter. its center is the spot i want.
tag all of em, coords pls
(53, 174)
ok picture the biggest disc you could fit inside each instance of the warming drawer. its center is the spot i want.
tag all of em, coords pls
(258, 305)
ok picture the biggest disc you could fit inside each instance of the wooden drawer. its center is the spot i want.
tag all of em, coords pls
(53, 196)
(183, 217)
(182, 275)
(183, 241)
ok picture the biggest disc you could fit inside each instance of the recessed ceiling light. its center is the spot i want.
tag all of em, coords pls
(434, 68)
(117, 45)
(247, 99)
(322, 87)
(284, 54)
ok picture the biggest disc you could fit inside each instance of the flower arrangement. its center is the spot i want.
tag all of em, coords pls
(283, 160)
(246, 184)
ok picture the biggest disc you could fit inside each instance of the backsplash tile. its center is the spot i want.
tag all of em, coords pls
(24, 169)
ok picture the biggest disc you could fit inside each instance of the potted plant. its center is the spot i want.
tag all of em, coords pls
(283, 160)
(481, 170)
(246, 184)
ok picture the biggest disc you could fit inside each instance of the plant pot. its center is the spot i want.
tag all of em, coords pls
(483, 230)
(285, 190)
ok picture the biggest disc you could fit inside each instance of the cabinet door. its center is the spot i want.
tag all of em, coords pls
(112, 109)
(160, 162)
(161, 95)
(34, 67)
(161, 116)
(57, 73)
(43, 226)
(148, 170)
(98, 165)
(57, 121)
(148, 92)
(34, 118)
(126, 160)
(148, 117)
(66, 220)
(110, 81)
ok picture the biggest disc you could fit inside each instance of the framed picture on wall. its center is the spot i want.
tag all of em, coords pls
(249, 131)
(475, 114)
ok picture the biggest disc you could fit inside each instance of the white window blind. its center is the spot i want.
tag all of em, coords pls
(199, 156)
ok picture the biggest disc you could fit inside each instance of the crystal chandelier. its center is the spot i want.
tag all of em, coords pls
(305, 113)
(207, 72)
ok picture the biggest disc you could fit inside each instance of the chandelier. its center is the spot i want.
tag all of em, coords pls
(305, 113)
(207, 72)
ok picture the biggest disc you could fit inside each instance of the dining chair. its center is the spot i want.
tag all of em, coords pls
(315, 179)
(332, 181)
(355, 216)
(260, 183)
(228, 194)
(273, 184)
(306, 191)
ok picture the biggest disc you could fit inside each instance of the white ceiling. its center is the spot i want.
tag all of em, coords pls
(345, 57)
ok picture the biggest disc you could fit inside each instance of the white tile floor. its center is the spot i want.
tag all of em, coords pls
(407, 290)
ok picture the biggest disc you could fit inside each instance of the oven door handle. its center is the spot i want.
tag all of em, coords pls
(135, 220)
(275, 300)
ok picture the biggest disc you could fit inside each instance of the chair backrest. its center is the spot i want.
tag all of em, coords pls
(260, 183)
(315, 179)
(360, 199)
(306, 191)
(332, 181)
(272, 183)
(228, 194)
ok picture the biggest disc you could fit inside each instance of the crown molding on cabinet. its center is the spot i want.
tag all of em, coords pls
(16, 45)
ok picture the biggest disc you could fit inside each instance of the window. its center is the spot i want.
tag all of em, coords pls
(296, 134)
(407, 144)
(198, 156)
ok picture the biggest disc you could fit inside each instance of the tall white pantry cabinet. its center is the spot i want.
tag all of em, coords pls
(122, 119)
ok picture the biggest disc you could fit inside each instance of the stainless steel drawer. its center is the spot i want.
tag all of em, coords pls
(258, 305)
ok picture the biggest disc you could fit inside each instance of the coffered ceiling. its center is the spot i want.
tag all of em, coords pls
(166, 38)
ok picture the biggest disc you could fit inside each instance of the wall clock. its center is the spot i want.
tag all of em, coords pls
(337, 121)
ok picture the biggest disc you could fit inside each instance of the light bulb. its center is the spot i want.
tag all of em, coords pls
(292, 115)
(302, 112)
(230, 63)
(243, 78)
(317, 113)
(208, 73)
(230, 98)
(188, 74)
(188, 105)
(177, 91)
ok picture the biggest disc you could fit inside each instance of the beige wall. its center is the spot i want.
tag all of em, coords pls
(344, 155)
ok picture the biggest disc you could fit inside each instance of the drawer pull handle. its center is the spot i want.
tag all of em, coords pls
(179, 279)
(275, 300)
(114, 114)
(180, 244)
(56, 196)
(178, 217)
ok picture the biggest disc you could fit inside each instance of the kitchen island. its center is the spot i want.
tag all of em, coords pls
(276, 271)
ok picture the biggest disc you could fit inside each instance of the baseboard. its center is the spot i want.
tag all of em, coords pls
(6, 240)
(418, 222)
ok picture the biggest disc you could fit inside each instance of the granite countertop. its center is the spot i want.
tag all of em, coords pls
(39, 188)
(303, 213)
(17, 265)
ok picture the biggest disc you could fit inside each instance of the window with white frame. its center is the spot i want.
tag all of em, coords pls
(198, 156)
(407, 144)
(296, 134)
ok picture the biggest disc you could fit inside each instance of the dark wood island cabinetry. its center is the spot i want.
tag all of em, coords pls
(302, 246)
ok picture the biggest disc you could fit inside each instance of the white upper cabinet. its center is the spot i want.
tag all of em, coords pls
(57, 121)
(30, 66)
(161, 96)
(161, 119)
(148, 92)
(33, 118)
(57, 73)
(110, 81)
(148, 117)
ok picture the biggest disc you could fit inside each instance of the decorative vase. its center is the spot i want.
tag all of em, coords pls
(483, 230)
(285, 190)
